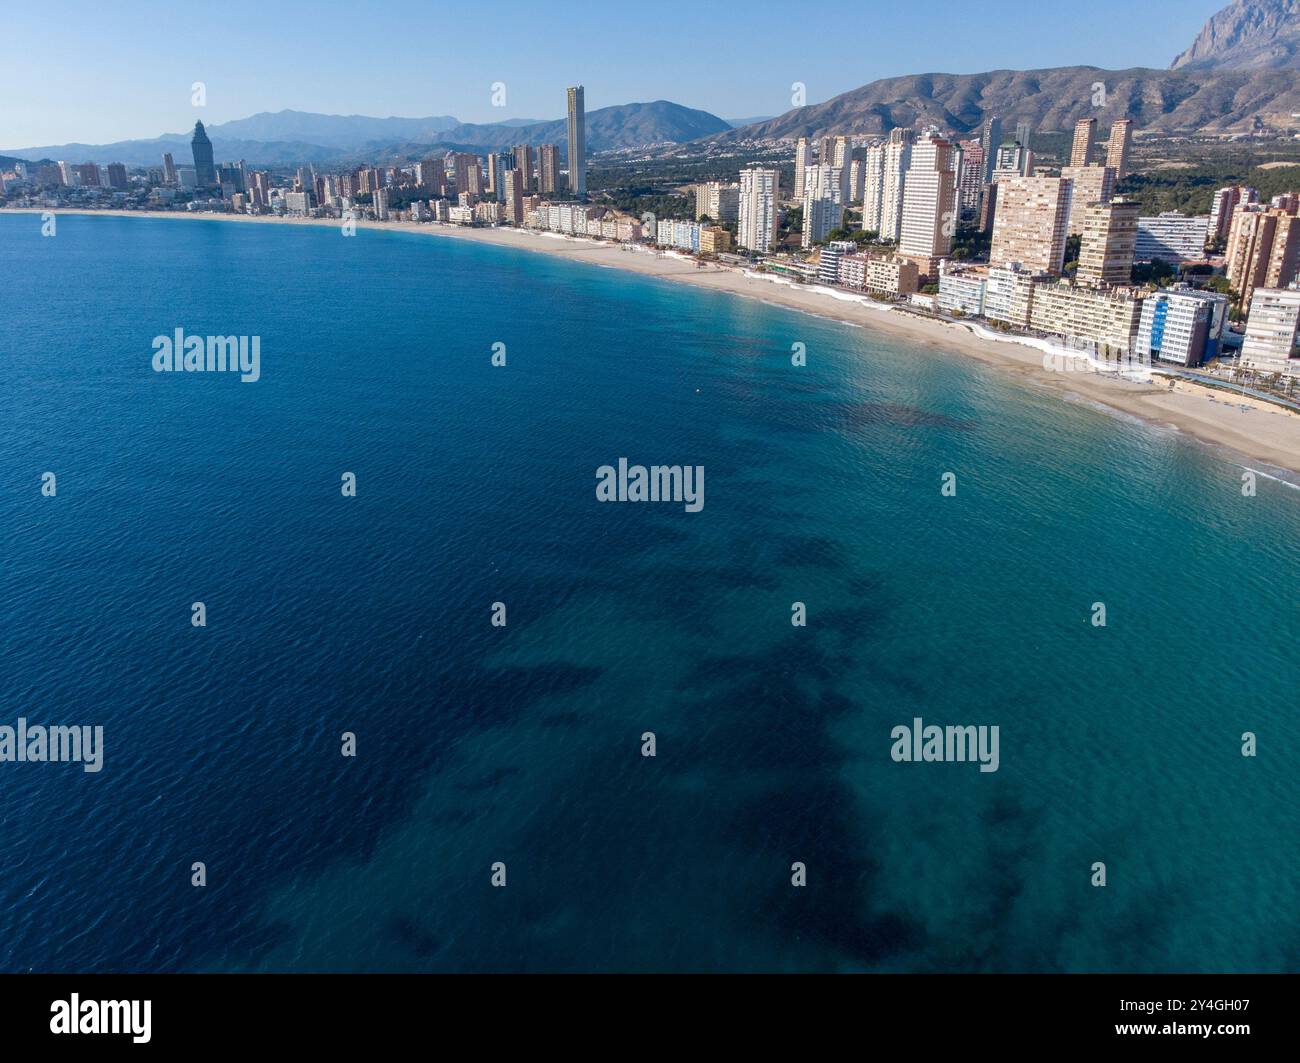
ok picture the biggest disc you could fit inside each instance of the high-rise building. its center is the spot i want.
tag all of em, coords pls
(1085, 134)
(499, 164)
(1172, 237)
(1030, 224)
(929, 216)
(116, 175)
(523, 161)
(577, 141)
(1109, 236)
(1013, 159)
(1022, 135)
(898, 157)
(169, 169)
(549, 180)
(1121, 138)
(1180, 324)
(823, 204)
(873, 187)
(970, 176)
(468, 172)
(512, 196)
(1226, 200)
(1271, 328)
(758, 218)
(803, 158)
(990, 141)
(1262, 250)
(205, 173)
(1088, 184)
(718, 201)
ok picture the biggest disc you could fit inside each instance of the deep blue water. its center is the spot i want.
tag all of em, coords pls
(476, 744)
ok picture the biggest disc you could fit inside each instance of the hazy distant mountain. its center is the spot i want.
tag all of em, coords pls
(329, 130)
(1050, 100)
(150, 152)
(736, 123)
(283, 138)
(292, 138)
(629, 125)
(1247, 35)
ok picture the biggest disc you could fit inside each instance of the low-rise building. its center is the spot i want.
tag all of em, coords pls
(962, 290)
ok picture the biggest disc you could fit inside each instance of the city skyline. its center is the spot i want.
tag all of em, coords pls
(85, 98)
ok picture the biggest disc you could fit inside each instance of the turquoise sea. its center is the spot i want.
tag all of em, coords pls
(522, 745)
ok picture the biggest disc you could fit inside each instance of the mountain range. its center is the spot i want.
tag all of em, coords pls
(291, 138)
(1227, 81)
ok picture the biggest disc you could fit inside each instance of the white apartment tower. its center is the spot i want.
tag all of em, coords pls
(898, 156)
(929, 215)
(757, 223)
(873, 187)
(823, 202)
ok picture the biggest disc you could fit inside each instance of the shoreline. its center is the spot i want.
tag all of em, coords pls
(1251, 429)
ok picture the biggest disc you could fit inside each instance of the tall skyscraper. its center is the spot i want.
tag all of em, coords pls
(577, 141)
(1029, 226)
(1263, 251)
(1022, 134)
(524, 162)
(1109, 238)
(970, 176)
(1121, 137)
(548, 169)
(991, 139)
(873, 187)
(1088, 184)
(1085, 133)
(803, 158)
(898, 156)
(929, 216)
(169, 169)
(205, 173)
(469, 173)
(757, 208)
(512, 196)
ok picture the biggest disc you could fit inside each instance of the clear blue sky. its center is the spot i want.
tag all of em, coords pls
(95, 72)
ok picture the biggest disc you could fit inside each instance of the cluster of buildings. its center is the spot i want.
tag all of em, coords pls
(915, 190)
(464, 179)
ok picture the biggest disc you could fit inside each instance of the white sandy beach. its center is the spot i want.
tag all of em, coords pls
(1255, 430)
